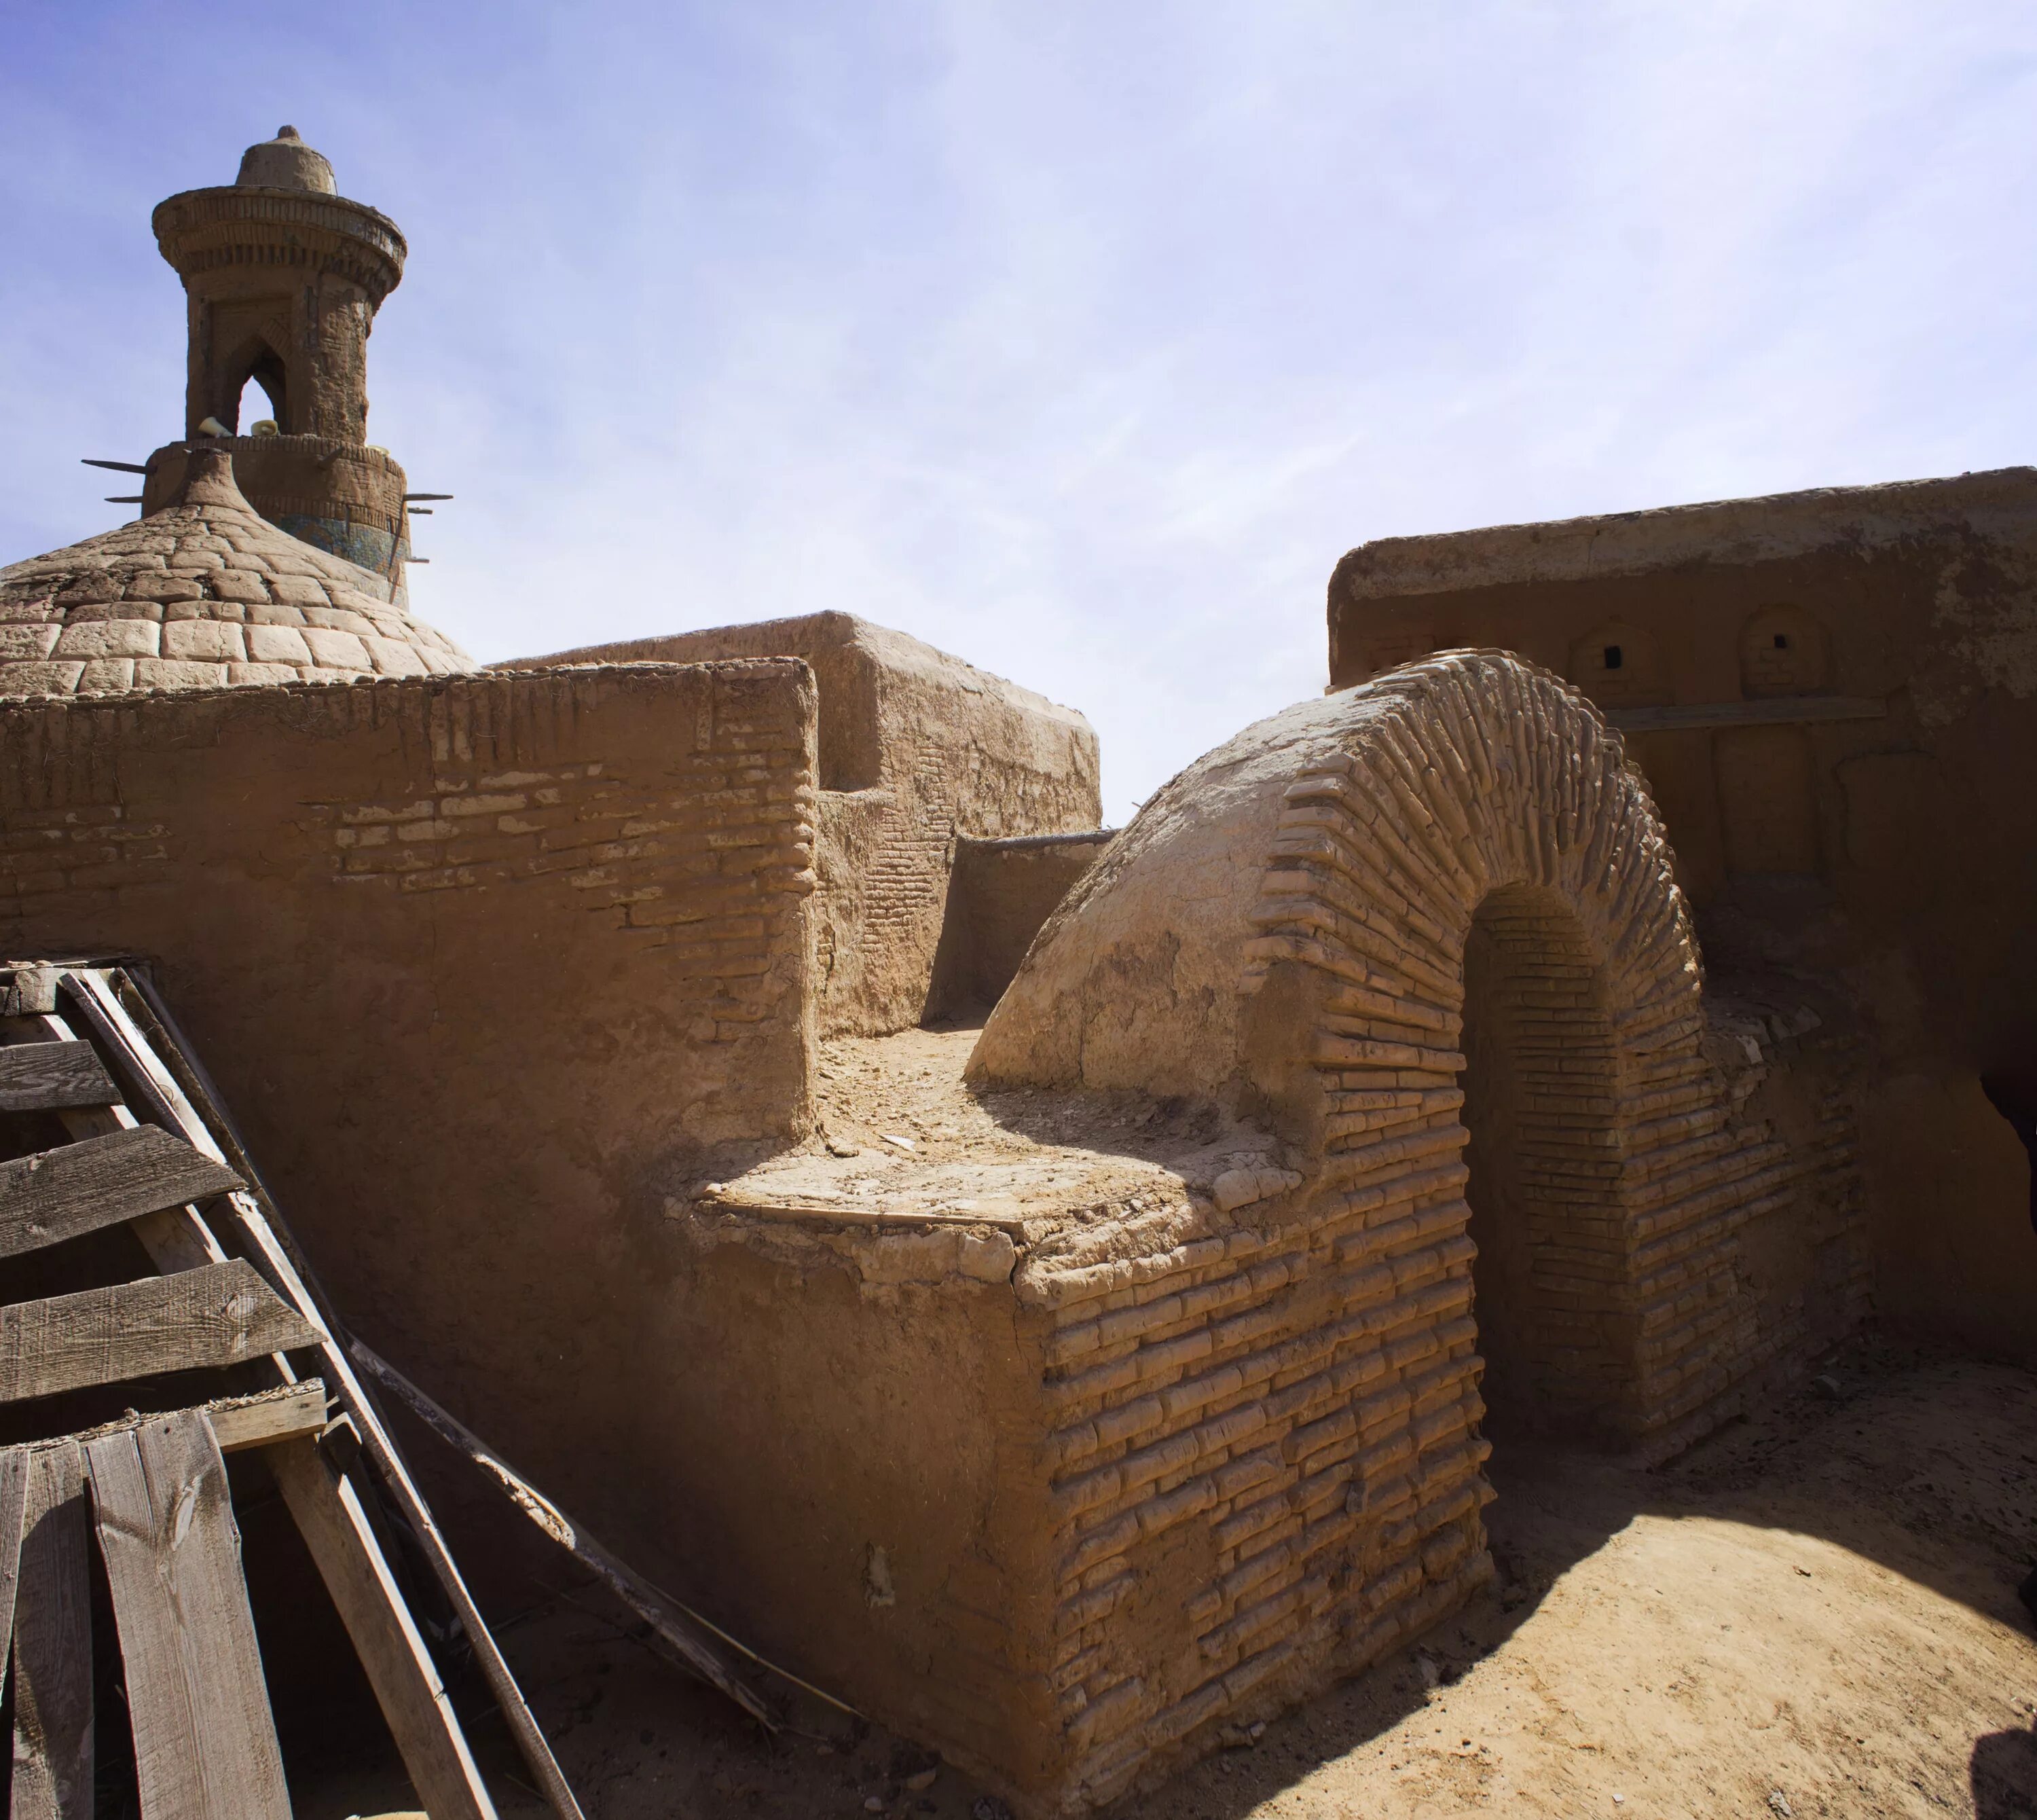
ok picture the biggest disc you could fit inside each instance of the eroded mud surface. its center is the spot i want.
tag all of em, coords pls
(903, 1136)
(1816, 1609)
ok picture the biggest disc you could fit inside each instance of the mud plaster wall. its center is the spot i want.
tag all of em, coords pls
(916, 750)
(1892, 853)
(890, 1539)
(479, 963)
(1266, 1430)
(999, 894)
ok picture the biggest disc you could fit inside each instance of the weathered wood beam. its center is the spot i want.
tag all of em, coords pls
(289, 1412)
(205, 1740)
(53, 1732)
(172, 1095)
(57, 1194)
(327, 1512)
(52, 1076)
(329, 1516)
(258, 1420)
(222, 1315)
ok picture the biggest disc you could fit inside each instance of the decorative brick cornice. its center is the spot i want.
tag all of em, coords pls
(200, 230)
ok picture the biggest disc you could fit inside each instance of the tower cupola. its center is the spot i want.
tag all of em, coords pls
(282, 278)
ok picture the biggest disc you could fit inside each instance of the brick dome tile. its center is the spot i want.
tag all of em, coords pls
(169, 602)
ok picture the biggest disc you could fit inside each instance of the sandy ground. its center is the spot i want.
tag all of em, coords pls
(1814, 1614)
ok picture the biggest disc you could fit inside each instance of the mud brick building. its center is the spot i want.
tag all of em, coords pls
(1574, 1023)
(918, 752)
(1830, 694)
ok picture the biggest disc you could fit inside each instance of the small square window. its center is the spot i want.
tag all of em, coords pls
(1613, 657)
(1781, 641)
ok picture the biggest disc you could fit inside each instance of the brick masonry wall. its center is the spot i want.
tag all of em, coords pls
(699, 866)
(961, 756)
(918, 751)
(1917, 604)
(483, 964)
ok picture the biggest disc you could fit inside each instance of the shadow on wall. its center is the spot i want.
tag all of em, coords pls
(1937, 1141)
(1000, 892)
(1541, 1085)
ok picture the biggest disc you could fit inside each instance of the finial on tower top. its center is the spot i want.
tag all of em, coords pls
(286, 163)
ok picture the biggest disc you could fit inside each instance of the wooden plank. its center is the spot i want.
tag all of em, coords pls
(53, 1741)
(336, 1529)
(252, 1209)
(290, 1413)
(54, 1076)
(238, 1423)
(57, 1194)
(179, 1239)
(223, 1315)
(14, 1468)
(27, 989)
(1776, 711)
(182, 1241)
(205, 1742)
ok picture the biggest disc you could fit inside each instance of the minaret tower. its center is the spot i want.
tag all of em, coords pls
(282, 276)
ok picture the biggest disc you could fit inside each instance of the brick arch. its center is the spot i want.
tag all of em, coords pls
(1263, 1408)
(1483, 794)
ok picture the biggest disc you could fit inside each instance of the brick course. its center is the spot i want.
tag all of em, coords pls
(1293, 1404)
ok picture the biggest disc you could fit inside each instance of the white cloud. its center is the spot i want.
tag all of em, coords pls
(1080, 341)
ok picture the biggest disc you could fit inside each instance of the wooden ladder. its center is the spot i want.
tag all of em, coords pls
(81, 1042)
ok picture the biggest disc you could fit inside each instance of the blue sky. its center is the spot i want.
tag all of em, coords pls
(1079, 339)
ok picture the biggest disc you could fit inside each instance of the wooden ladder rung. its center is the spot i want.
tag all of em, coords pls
(51, 1077)
(57, 1194)
(221, 1315)
(261, 1419)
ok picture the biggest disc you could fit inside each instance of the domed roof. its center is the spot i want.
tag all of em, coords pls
(286, 163)
(204, 594)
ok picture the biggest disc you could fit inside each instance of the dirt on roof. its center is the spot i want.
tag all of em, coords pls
(903, 1136)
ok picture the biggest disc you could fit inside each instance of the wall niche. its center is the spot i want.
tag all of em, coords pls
(1620, 666)
(1783, 651)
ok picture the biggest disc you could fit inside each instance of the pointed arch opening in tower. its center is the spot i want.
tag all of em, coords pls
(261, 367)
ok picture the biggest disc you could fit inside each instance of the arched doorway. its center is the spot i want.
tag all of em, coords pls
(1542, 1099)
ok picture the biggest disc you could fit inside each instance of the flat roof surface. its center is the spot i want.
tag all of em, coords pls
(1023, 1159)
(1772, 528)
